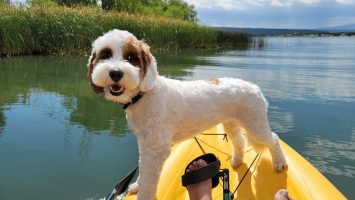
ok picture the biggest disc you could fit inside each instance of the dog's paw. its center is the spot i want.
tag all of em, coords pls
(133, 188)
(236, 162)
(280, 166)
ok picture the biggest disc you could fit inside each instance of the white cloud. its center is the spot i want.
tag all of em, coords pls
(245, 4)
(213, 4)
(275, 13)
(345, 2)
(228, 4)
(310, 2)
(281, 3)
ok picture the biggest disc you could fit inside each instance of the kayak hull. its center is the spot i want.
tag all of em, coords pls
(255, 178)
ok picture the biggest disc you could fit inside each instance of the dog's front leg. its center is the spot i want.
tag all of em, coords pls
(153, 153)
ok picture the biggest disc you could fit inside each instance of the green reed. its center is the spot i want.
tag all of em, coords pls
(53, 29)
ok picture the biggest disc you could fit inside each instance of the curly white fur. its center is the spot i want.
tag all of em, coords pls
(171, 111)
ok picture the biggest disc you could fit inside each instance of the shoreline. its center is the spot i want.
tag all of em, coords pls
(52, 29)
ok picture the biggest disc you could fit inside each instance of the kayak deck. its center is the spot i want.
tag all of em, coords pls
(255, 178)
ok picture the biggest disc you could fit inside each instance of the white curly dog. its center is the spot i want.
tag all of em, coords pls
(164, 111)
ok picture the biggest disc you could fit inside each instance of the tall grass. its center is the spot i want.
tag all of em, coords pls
(53, 29)
(233, 39)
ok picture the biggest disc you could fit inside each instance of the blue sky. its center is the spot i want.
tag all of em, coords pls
(275, 13)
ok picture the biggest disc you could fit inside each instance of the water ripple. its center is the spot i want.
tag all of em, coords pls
(332, 157)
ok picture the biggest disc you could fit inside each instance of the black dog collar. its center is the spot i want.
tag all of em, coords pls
(133, 100)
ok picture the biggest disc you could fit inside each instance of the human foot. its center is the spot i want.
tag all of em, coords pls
(282, 195)
(203, 189)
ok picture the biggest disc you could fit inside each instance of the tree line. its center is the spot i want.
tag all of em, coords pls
(167, 8)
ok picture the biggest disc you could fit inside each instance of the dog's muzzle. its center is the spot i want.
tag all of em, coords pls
(115, 89)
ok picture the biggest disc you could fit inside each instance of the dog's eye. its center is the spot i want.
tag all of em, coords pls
(105, 54)
(132, 57)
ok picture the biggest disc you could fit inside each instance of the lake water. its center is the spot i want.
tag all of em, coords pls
(59, 140)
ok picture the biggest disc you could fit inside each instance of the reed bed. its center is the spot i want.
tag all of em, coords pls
(53, 29)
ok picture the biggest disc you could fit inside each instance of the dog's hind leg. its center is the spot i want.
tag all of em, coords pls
(233, 132)
(258, 133)
(278, 157)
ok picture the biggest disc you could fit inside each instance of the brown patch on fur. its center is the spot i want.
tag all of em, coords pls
(138, 54)
(93, 60)
(104, 54)
(215, 81)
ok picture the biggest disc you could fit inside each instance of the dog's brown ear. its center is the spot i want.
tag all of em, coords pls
(146, 55)
(97, 89)
(90, 65)
(150, 72)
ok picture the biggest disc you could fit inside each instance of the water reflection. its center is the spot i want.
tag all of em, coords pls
(326, 155)
(281, 121)
(306, 71)
(52, 85)
(2, 121)
(179, 64)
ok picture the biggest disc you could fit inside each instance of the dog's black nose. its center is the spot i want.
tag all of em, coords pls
(116, 74)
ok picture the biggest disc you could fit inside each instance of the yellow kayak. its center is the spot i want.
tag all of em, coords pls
(255, 178)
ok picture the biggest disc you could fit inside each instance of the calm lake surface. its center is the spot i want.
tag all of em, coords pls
(59, 140)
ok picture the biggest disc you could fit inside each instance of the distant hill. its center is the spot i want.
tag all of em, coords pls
(270, 31)
(343, 28)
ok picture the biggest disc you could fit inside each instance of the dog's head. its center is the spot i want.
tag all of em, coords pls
(120, 66)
